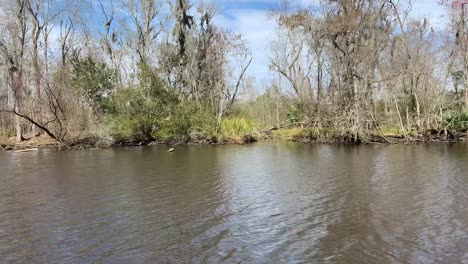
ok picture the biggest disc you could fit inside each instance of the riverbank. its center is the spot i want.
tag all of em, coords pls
(302, 135)
(327, 136)
(45, 142)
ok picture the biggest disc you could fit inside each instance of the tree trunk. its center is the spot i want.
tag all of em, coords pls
(465, 56)
(220, 114)
(37, 77)
(277, 107)
(418, 111)
(19, 136)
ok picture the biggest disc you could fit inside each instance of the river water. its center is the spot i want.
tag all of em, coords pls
(261, 203)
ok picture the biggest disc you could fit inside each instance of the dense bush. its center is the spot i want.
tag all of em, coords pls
(456, 120)
(95, 81)
(140, 112)
(151, 111)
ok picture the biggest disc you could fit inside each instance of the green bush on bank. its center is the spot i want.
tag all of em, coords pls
(141, 111)
(187, 122)
(149, 110)
(456, 120)
(236, 128)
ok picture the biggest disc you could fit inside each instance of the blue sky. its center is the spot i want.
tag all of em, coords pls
(248, 17)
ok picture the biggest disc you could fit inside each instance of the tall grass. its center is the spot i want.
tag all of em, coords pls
(235, 129)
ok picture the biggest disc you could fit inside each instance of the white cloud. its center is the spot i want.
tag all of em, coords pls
(257, 29)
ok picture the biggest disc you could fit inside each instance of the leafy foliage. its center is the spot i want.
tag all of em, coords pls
(94, 81)
(151, 111)
(456, 120)
(141, 111)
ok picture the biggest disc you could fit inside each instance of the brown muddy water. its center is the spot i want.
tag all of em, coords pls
(262, 203)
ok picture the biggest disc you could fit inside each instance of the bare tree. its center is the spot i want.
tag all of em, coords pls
(143, 15)
(14, 53)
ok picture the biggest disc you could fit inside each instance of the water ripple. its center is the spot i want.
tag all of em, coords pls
(266, 203)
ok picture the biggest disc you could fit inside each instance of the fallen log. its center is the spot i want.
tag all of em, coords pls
(25, 150)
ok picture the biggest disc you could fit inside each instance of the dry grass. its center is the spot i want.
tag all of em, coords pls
(37, 142)
(306, 134)
(3, 140)
(389, 131)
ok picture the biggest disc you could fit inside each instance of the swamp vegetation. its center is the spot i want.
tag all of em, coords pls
(144, 71)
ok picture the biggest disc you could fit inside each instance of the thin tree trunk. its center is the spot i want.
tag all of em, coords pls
(465, 56)
(277, 107)
(399, 116)
(19, 136)
(220, 114)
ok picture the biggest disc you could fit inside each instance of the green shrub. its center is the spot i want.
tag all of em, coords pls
(456, 120)
(141, 112)
(294, 116)
(150, 111)
(188, 121)
(94, 81)
(235, 128)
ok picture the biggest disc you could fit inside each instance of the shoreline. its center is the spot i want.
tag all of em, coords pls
(98, 143)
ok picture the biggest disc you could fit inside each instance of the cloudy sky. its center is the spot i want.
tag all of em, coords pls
(249, 18)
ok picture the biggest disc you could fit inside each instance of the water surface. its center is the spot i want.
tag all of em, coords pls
(262, 203)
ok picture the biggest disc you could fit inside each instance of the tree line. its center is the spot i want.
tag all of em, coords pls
(367, 67)
(145, 70)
